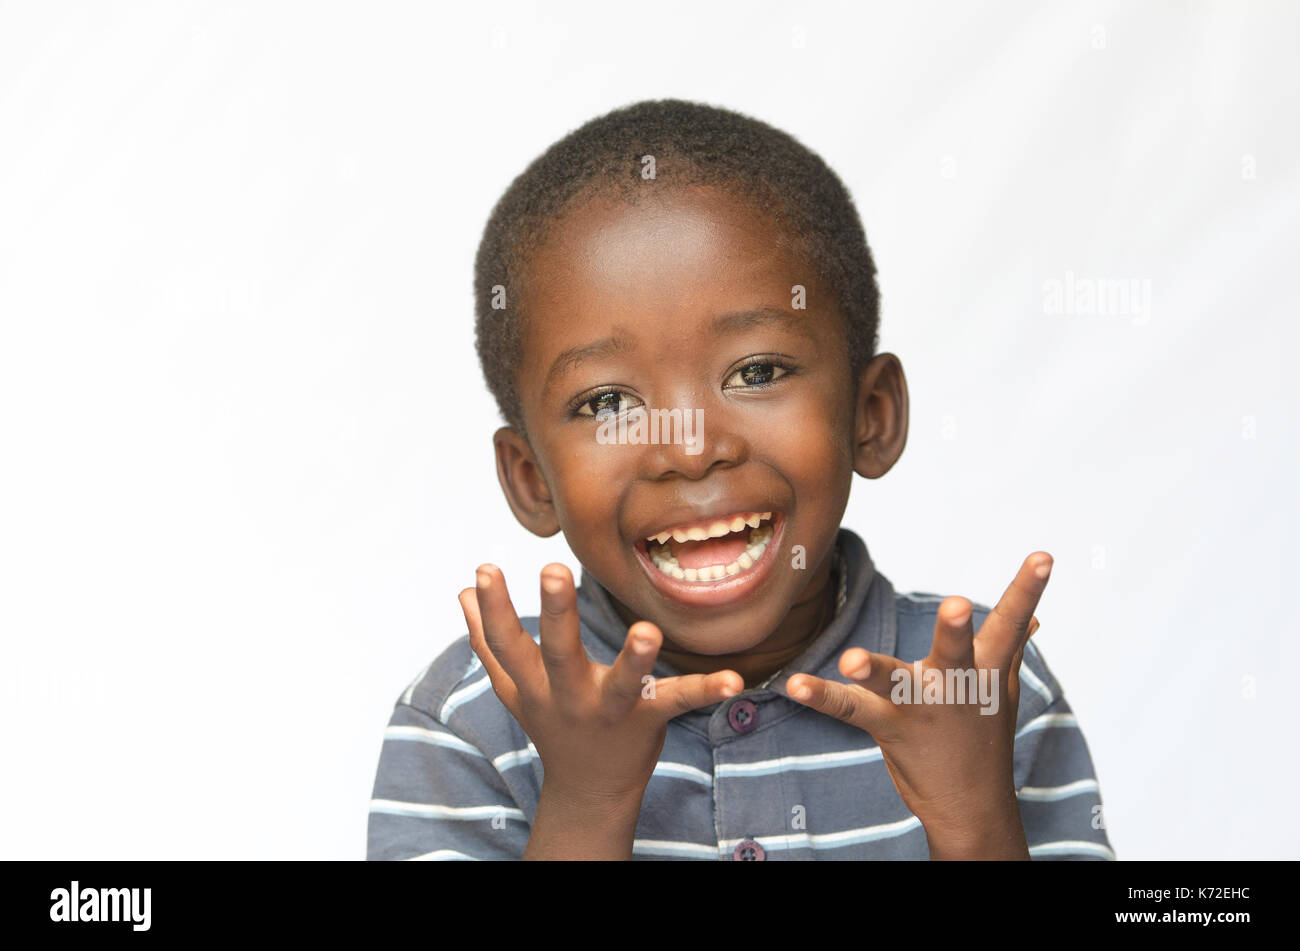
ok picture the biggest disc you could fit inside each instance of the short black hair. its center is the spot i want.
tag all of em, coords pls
(691, 144)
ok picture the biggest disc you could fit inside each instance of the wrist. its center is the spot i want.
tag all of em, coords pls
(987, 830)
(596, 804)
(583, 824)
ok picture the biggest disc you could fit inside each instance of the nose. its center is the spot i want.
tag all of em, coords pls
(693, 442)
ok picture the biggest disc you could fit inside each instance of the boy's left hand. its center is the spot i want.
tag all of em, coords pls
(951, 763)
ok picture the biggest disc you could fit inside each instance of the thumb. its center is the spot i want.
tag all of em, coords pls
(674, 696)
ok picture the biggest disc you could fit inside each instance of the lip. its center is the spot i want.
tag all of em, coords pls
(716, 593)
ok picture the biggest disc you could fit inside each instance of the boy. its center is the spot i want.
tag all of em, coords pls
(677, 315)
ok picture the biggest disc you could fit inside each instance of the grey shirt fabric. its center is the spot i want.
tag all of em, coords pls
(758, 776)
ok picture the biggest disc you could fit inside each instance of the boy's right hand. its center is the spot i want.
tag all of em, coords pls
(598, 730)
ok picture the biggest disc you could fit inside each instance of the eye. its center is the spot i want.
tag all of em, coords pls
(757, 373)
(606, 403)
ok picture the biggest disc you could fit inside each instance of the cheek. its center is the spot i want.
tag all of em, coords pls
(588, 480)
(813, 442)
(821, 469)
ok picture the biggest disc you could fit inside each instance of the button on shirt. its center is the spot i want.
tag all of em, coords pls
(758, 777)
(742, 715)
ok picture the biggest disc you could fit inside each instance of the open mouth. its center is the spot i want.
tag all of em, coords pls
(705, 553)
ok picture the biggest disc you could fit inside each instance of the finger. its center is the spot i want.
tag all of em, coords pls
(871, 671)
(954, 636)
(634, 663)
(674, 696)
(1007, 625)
(1013, 692)
(510, 643)
(847, 702)
(1020, 651)
(500, 680)
(567, 666)
(1019, 657)
(1013, 673)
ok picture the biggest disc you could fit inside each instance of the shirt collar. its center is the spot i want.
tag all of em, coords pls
(864, 618)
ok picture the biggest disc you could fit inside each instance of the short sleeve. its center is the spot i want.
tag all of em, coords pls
(1060, 798)
(439, 797)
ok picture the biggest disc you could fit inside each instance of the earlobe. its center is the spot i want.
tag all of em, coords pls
(525, 488)
(881, 417)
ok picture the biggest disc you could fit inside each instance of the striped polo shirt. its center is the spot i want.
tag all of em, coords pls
(756, 777)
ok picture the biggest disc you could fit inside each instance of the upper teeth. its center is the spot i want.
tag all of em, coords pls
(760, 536)
(715, 529)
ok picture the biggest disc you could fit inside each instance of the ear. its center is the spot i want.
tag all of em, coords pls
(880, 417)
(522, 481)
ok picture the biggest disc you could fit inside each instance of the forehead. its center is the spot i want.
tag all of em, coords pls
(671, 259)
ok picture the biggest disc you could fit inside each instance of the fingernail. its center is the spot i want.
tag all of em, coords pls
(1044, 569)
(552, 584)
(801, 692)
(642, 646)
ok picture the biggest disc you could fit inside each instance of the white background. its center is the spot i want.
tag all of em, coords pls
(246, 456)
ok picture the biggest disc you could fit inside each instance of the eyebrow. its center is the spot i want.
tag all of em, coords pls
(613, 345)
(740, 320)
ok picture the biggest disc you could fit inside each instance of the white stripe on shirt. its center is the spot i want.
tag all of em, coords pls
(829, 840)
(1072, 848)
(463, 695)
(813, 761)
(1055, 793)
(406, 695)
(664, 847)
(515, 758)
(1031, 678)
(443, 855)
(424, 810)
(1046, 720)
(432, 737)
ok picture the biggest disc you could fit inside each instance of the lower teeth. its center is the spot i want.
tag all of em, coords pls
(661, 557)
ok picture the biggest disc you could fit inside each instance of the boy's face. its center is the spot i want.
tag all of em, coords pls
(684, 301)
